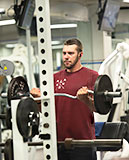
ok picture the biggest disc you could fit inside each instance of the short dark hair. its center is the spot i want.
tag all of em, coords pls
(76, 42)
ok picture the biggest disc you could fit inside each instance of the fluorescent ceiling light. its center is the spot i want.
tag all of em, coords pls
(57, 47)
(55, 42)
(2, 11)
(7, 22)
(56, 26)
(127, 1)
(10, 45)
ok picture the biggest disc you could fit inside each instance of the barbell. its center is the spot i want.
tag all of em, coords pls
(103, 92)
(69, 143)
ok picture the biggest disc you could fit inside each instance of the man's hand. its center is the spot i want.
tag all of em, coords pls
(35, 92)
(86, 98)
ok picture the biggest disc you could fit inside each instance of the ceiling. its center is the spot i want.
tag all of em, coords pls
(60, 11)
(7, 3)
(57, 7)
(64, 8)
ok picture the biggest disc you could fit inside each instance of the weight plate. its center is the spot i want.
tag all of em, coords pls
(103, 103)
(17, 88)
(6, 68)
(8, 118)
(8, 150)
(25, 107)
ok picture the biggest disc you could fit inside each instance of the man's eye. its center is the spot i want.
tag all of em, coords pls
(70, 53)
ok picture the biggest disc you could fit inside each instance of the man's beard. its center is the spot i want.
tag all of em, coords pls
(73, 64)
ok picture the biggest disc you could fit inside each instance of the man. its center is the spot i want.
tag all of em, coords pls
(74, 117)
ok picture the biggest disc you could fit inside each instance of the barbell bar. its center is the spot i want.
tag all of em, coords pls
(4, 95)
(69, 143)
(106, 93)
(103, 92)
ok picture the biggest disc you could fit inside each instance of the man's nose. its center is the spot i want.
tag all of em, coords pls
(66, 55)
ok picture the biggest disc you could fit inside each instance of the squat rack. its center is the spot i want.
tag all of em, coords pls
(46, 79)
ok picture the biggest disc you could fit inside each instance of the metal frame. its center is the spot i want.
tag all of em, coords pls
(118, 57)
(46, 79)
(18, 143)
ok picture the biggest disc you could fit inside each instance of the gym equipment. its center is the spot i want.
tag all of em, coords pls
(17, 88)
(6, 68)
(103, 92)
(27, 114)
(7, 117)
(27, 117)
(69, 143)
(8, 150)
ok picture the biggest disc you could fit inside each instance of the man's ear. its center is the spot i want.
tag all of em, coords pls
(80, 54)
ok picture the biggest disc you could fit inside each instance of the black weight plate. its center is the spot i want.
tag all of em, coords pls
(17, 88)
(8, 118)
(102, 103)
(25, 106)
(8, 150)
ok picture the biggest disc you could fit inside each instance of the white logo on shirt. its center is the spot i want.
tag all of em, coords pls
(60, 83)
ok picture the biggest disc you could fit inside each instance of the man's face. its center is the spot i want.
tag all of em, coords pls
(70, 56)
